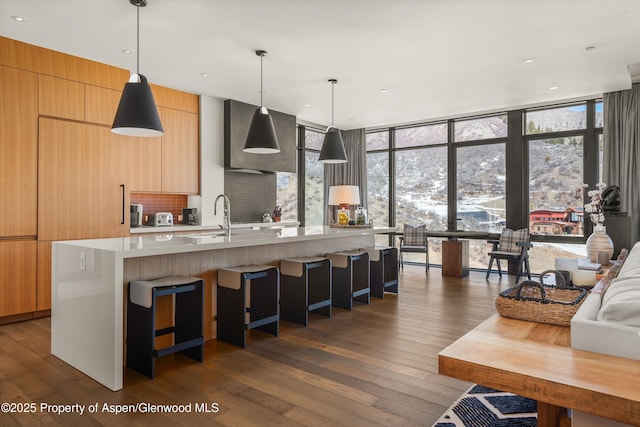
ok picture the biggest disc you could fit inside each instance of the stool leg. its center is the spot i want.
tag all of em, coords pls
(319, 289)
(293, 299)
(141, 338)
(390, 268)
(341, 291)
(189, 321)
(231, 309)
(265, 301)
(377, 274)
(361, 279)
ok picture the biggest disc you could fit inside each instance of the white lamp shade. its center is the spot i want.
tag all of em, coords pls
(344, 195)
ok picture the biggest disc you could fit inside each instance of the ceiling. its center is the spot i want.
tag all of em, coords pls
(433, 58)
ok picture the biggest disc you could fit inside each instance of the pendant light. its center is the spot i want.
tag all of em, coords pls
(137, 114)
(261, 138)
(332, 148)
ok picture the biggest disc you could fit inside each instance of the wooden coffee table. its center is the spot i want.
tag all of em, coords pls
(536, 361)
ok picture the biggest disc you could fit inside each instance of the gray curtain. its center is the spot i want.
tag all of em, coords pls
(354, 172)
(621, 129)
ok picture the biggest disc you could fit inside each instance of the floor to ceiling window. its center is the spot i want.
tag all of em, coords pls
(314, 206)
(378, 181)
(421, 184)
(410, 172)
(480, 180)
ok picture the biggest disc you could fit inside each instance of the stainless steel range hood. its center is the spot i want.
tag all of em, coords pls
(237, 118)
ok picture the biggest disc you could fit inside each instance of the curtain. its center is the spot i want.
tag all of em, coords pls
(354, 172)
(621, 146)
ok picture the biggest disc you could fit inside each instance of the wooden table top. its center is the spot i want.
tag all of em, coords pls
(535, 360)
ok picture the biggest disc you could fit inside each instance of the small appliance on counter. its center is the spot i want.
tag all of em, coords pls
(136, 215)
(190, 216)
(161, 219)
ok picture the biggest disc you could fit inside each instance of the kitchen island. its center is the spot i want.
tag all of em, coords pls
(90, 277)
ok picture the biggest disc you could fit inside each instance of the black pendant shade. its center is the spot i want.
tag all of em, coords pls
(261, 138)
(137, 114)
(332, 147)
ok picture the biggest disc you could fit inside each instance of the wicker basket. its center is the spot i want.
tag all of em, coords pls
(537, 302)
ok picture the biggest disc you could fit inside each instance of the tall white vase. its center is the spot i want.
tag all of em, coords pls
(599, 241)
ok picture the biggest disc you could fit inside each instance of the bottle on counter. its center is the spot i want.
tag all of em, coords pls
(361, 216)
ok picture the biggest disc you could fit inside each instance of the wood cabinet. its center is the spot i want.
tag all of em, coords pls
(43, 287)
(144, 164)
(100, 104)
(168, 164)
(60, 98)
(18, 152)
(81, 182)
(180, 154)
(17, 276)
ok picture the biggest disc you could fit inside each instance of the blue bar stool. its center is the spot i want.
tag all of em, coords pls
(188, 327)
(350, 276)
(305, 286)
(247, 299)
(384, 270)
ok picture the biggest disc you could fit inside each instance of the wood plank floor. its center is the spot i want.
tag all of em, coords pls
(375, 365)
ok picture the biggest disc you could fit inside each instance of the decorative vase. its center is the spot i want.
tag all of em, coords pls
(599, 242)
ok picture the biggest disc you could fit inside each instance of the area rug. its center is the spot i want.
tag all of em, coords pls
(485, 407)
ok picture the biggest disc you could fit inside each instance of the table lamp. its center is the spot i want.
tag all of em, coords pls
(343, 196)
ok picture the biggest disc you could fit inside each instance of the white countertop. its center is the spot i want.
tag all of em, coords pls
(148, 229)
(143, 245)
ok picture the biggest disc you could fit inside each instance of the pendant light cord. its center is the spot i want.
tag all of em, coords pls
(333, 83)
(138, 41)
(261, 91)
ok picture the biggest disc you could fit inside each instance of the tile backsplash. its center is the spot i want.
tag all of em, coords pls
(153, 203)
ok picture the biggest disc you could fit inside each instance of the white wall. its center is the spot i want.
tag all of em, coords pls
(211, 160)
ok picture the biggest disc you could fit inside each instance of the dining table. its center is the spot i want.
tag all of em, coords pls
(455, 249)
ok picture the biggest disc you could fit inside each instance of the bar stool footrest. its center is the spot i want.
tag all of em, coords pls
(179, 347)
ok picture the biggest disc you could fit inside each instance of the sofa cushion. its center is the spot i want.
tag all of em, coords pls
(621, 302)
(414, 236)
(631, 266)
(509, 239)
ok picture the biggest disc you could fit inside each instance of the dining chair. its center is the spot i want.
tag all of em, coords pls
(414, 240)
(513, 245)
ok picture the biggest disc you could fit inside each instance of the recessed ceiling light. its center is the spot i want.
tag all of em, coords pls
(18, 18)
(127, 51)
(528, 61)
(553, 88)
(307, 105)
(588, 48)
(204, 75)
(383, 90)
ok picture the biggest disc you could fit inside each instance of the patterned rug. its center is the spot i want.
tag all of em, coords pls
(485, 407)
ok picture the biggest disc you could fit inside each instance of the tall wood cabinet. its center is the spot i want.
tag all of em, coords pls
(180, 164)
(63, 174)
(18, 152)
(82, 191)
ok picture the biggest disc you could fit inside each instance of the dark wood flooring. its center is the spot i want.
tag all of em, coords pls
(375, 365)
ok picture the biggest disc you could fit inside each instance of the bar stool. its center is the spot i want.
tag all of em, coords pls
(305, 286)
(384, 270)
(350, 276)
(247, 299)
(141, 321)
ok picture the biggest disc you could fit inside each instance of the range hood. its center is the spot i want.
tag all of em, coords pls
(237, 118)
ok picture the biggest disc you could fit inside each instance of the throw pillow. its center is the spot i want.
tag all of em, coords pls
(509, 239)
(414, 236)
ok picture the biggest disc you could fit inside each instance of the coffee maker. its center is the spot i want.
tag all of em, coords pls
(136, 215)
(190, 216)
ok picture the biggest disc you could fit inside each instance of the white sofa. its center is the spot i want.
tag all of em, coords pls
(609, 319)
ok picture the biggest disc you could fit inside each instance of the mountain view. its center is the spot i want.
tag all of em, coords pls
(555, 171)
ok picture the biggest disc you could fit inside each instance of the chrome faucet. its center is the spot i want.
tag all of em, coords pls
(227, 212)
